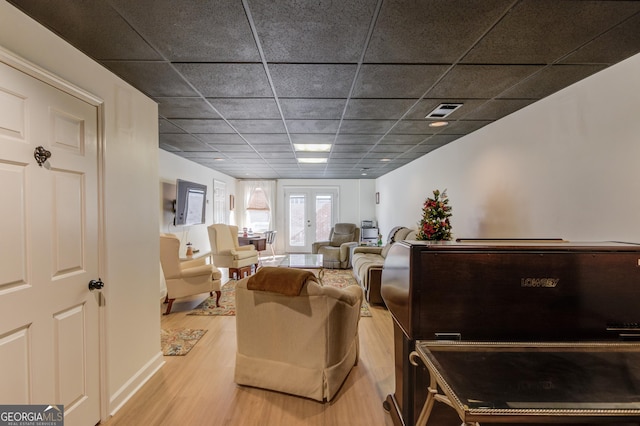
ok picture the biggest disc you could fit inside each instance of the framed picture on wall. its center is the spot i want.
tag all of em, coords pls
(377, 198)
(232, 202)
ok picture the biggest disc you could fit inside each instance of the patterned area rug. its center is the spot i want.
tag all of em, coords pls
(334, 277)
(179, 341)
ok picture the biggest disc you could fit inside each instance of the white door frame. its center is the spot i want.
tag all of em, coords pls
(47, 77)
(310, 193)
(225, 200)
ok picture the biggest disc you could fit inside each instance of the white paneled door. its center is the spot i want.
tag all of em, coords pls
(49, 333)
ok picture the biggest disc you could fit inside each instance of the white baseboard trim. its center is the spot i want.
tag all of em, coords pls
(132, 385)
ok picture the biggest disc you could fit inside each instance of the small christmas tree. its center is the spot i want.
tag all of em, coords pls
(435, 225)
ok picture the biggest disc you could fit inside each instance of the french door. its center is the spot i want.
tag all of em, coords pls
(309, 215)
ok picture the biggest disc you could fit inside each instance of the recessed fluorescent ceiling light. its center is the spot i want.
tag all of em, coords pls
(438, 124)
(312, 160)
(312, 147)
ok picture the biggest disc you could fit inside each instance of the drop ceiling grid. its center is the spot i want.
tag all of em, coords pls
(360, 74)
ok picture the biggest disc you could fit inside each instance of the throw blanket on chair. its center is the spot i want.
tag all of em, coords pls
(287, 281)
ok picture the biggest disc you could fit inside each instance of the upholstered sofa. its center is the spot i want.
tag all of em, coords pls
(367, 263)
(303, 344)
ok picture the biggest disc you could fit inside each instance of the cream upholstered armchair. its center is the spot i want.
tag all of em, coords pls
(336, 252)
(227, 253)
(185, 278)
(304, 344)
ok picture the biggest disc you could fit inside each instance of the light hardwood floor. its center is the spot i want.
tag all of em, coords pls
(198, 389)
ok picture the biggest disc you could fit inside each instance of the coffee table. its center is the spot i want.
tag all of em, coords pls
(304, 261)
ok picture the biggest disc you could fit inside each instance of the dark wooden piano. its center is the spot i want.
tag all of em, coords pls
(535, 292)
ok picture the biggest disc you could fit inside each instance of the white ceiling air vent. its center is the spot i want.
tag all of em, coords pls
(443, 110)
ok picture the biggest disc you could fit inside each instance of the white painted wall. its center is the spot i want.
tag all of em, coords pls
(172, 167)
(566, 166)
(130, 252)
(366, 200)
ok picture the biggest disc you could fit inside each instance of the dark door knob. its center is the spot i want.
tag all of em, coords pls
(41, 155)
(96, 284)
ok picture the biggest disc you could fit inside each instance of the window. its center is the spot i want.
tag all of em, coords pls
(324, 216)
(297, 214)
(256, 209)
(258, 220)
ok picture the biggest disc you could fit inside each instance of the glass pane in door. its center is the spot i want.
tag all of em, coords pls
(297, 220)
(324, 210)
